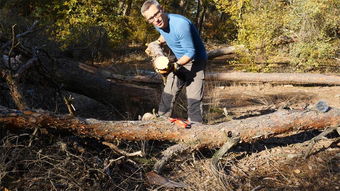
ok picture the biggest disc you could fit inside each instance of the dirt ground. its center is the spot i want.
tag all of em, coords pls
(247, 100)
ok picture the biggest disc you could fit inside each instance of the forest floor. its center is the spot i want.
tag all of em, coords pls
(59, 161)
(44, 160)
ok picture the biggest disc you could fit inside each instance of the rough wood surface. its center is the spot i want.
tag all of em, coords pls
(210, 136)
(225, 51)
(86, 80)
(247, 77)
(279, 78)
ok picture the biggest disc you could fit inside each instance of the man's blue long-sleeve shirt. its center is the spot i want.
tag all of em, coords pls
(182, 38)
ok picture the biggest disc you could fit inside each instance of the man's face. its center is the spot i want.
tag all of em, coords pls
(155, 16)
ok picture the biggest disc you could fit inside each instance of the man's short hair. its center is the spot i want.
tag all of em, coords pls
(146, 5)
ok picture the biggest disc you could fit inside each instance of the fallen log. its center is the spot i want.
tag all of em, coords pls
(248, 77)
(77, 78)
(65, 74)
(211, 136)
(277, 78)
(225, 51)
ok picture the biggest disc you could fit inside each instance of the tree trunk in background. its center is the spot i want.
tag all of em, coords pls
(201, 18)
(85, 80)
(198, 10)
(127, 8)
(211, 136)
(183, 6)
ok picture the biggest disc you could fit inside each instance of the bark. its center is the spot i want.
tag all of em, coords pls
(225, 51)
(247, 77)
(278, 78)
(85, 80)
(154, 50)
(198, 10)
(211, 136)
(202, 17)
(15, 92)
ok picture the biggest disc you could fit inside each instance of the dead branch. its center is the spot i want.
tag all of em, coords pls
(8, 71)
(21, 35)
(168, 154)
(156, 179)
(121, 152)
(230, 142)
(15, 92)
(318, 138)
(30, 63)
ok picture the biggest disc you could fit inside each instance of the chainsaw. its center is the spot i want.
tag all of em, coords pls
(181, 122)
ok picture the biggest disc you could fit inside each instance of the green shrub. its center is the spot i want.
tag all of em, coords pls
(310, 27)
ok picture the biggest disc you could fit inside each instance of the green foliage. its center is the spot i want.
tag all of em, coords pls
(305, 31)
(78, 16)
(313, 25)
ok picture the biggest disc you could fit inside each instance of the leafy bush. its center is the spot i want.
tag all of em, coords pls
(310, 29)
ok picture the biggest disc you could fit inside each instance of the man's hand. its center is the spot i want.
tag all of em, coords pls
(177, 66)
(174, 66)
(163, 72)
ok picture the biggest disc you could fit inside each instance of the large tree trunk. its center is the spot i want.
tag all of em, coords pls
(74, 77)
(210, 136)
(86, 80)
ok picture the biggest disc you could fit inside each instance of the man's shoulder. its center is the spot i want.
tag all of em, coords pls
(176, 18)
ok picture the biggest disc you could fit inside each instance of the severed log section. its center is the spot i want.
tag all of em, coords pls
(154, 50)
(211, 136)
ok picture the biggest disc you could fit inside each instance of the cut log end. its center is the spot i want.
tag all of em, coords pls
(161, 62)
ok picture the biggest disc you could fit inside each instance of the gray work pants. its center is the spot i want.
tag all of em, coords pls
(190, 75)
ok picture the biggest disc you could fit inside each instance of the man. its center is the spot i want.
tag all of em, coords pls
(182, 38)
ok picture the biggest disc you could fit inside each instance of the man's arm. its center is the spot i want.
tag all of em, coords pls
(160, 40)
(187, 43)
(183, 60)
